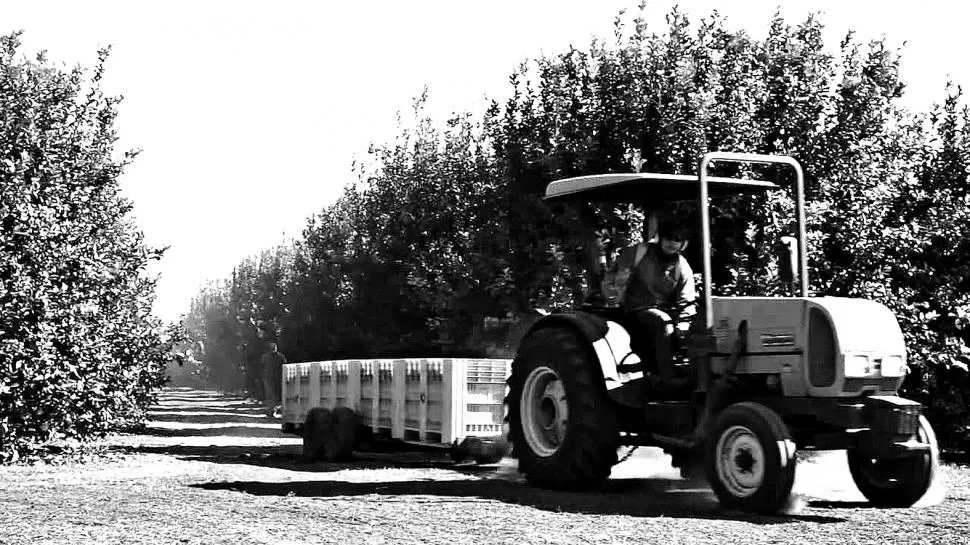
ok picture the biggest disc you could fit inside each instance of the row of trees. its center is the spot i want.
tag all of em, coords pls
(448, 234)
(79, 351)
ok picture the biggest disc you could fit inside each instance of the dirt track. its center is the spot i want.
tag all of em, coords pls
(214, 469)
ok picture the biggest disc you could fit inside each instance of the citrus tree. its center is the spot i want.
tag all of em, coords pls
(79, 350)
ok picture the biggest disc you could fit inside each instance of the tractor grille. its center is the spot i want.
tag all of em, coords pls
(881, 384)
(821, 349)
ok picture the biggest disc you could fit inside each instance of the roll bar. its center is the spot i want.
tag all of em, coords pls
(728, 157)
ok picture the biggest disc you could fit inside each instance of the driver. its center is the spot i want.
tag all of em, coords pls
(654, 284)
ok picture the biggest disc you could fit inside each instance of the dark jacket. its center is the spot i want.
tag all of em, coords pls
(656, 281)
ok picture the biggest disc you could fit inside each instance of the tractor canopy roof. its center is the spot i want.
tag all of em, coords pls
(649, 187)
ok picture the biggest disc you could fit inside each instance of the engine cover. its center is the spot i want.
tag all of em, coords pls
(817, 346)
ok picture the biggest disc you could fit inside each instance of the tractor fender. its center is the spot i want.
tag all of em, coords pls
(610, 342)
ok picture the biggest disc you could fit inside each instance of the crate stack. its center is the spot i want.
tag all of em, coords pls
(423, 400)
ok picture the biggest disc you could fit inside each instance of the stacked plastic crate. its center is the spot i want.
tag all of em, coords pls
(424, 400)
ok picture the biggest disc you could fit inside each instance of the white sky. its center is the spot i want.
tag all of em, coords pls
(249, 114)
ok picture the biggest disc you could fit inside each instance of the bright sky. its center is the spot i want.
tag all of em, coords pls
(250, 114)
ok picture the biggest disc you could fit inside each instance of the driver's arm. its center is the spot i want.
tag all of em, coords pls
(685, 304)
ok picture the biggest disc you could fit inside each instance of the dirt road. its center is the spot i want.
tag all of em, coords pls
(213, 469)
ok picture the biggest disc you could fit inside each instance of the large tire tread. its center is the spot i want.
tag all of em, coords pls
(589, 449)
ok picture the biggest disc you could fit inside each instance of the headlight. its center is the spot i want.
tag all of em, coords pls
(857, 366)
(893, 366)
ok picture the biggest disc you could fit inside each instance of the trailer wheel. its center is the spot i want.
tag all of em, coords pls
(898, 482)
(316, 430)
(340, 442)
(561, 422)
(751, 458)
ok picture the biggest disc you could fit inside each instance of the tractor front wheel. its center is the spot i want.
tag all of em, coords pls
(561, 422)
(897, 482)
(751, 459)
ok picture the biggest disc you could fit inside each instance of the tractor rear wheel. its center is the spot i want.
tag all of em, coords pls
(561, 422)
(751, 458)
(898, 482)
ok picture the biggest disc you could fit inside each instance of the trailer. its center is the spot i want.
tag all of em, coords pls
(451, 404)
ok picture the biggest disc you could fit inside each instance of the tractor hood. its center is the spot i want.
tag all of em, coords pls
(862, 326)
(819, 346)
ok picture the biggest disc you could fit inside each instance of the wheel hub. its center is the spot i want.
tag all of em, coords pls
(544, 411)
(740, 461)
(744, 461)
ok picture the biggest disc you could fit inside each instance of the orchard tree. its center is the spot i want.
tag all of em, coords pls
(79, 351)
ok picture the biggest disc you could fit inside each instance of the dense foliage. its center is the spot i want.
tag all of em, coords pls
(447, 234)
(79, 352)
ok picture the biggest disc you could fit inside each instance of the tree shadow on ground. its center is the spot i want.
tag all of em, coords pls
(183, 413)
(226, 400)
(234, 417)
(203, 414)
(632, 497)
(213, 431)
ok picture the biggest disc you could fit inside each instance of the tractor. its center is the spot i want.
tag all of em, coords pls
(766, 377)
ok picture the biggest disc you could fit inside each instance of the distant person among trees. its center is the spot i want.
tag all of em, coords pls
(653, 282)
(272, 364)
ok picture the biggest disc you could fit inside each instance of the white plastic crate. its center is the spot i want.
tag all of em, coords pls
(297, 391)
(426, 400)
